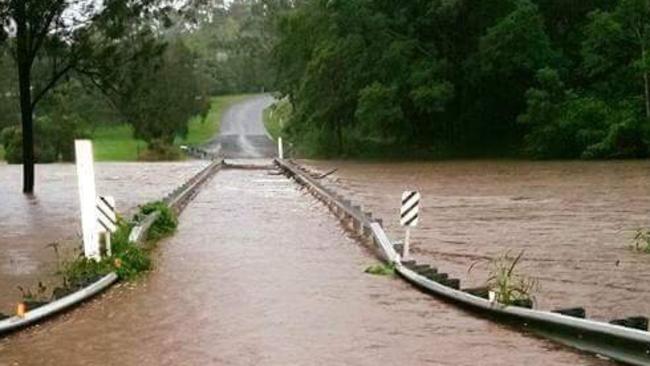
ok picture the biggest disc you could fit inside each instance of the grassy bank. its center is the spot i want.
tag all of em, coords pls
(276, 116)
(116, 143)
(202, 131)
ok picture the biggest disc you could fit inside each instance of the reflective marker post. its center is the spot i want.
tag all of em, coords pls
(106, 220)
(87, 197)
(409, 216)
(280, 149)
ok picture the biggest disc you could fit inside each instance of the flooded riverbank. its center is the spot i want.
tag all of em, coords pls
(574, 220)
(29, 224)
(259, 273)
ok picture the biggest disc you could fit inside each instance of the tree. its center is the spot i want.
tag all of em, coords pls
(163, 98)
(61, 34)
(617, 45)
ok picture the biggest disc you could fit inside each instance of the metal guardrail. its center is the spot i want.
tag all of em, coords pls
(177, 200)
(200, 153)
(616, 342)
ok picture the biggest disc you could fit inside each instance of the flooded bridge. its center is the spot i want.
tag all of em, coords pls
(260, 273)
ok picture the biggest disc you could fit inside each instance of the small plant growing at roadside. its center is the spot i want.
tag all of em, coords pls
(509, 286)
(127, 260)
(641, 240)
(166, 222)
(37, 296)
(381, 269)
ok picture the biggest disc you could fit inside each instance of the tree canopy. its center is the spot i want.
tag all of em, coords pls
(546, 78)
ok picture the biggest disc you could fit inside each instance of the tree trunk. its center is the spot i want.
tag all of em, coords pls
(27, 129)
(24, 61)
(339, 136)
(645, 80)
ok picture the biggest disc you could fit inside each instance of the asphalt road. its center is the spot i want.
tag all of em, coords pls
(242, 134)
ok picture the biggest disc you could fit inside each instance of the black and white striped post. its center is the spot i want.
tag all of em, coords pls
(106, 219)
(409, 216)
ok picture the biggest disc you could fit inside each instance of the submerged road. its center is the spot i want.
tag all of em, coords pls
(259, 273)
(242, 133)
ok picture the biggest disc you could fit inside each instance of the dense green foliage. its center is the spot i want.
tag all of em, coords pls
(548, 78)
(165, 223)
(154, 74)
(276, 117)
(55, 130)
(158, 97)
(128, 260)
(233, 45)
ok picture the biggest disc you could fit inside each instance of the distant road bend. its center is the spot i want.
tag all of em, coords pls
(242, 134)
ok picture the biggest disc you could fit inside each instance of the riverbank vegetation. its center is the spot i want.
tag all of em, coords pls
(116, 142)
(536, 78)
(508, 284)
(533, 78)
(128, 260)
(276, 118)
(381, 269)
(146, 64)
(641, 241)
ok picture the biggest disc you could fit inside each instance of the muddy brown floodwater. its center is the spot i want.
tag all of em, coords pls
(574, 220)
(259, 273)
(29, 224)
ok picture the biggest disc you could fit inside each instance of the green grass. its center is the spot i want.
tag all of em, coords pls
(2, 153)
(201, 131)
(116, 143)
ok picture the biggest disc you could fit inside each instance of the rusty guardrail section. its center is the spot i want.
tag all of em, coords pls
(177, 199)
(617, 342)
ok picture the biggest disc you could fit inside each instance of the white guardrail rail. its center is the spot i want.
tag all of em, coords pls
(620, 343)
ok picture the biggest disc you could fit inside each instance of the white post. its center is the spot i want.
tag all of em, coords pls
(280, 148)
(87, 197)
(107, 239)
(407, 239)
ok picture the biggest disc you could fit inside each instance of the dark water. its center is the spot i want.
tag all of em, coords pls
(260, 273)
(29, 224)
(574, 220)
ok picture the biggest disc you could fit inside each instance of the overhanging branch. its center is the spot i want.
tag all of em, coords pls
(52, 83)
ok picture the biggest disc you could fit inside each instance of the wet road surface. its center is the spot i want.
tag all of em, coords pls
(29, 224)
(242, 133)
(573, 219)
(260, 273)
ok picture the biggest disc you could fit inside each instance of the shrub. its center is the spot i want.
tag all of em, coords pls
(52, 141)
(641, 241)
(166, 222)
(12, 141)
(127, 260)
(510, 286)
(159, 150)
(381, 269)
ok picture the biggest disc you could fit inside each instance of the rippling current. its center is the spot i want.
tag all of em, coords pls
(260, 273)
(29, 224)
(573, 220)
